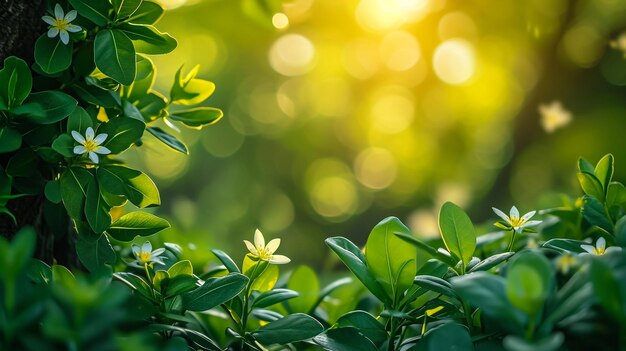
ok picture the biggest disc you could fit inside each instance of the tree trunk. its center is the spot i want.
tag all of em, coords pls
(21, 26)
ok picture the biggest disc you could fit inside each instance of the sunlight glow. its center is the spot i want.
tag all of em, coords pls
(376, 168)
(388, 14)
(454, 61)
(280, 20)
(292, 55)
(400, 51)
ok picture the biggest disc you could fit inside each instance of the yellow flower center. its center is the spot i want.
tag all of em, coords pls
(264, 254)
(90, 145)
(598, 251)
(516, 221)
(144, 257)
(61, 24)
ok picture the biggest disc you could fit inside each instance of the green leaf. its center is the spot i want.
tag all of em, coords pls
(94, 254)
(135, 282)
(616, 195)
(74, 182)
(122, 132)
(19, 253)
(168, 139)
(295, 327)
(188, 90)
(429, 249)
(608, 289)
(135, 185)
(16, 82)
(604, 171)
(263, 274)
(95, 11)
(354, 259)
(149, 12)
(143, 80)
(214, 292)
(565, 245)
(96, 95)
(491, 262)
(46, 107)
(125, 8)
(272, 297)
(457, 232)
(305, 282)
(591, 185)
(133, 224)
(96, 209)
(22, 164)
(52, 192)
(52, 55)
(448, 336)
(435, 284)
(148, 40)
(528, 282)
(344, 339)
(115, 55)
(366, 324)
(585, 166)
(180, 268)
(594, 213)
(390, 259)
(152, 105)
(197, 117)
(10, 140)
(226, 261)
(64, 145)
(551, 342)
(620, 231)
(79, 120)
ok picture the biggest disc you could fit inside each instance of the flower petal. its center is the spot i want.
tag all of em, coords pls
(528, 215)
(514, 212)
(89, 133)
(279, 259)
(613, 249)
(158, 260)
(52, 32)
(158, 252)
(58, 12)
(100, 138)
(73, 28)
(530, 224)
(272, 246)
(70, 16)
(136, 250)
(79, 138)
(590, 249)
(251, 248)
(93, 157)
(501, 214)
(79, 150)
(146, 247)
(259, 240)
(48, 20)
(65, 37)
(601, 244)
(102, 150)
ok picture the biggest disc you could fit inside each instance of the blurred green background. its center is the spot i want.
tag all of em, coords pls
(340, 113)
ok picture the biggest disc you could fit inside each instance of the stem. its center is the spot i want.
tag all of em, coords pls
(468, 315)
(392, 336)
(513, 233)
(145, 266)
(531, 329)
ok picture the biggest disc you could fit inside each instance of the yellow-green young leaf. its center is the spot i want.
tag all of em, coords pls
(528, 282)
(159, 276)
(115, 55)
(138, 223)
(604, 171)
(149, 12)
(16, 82)
(305, 282)
(457, 232)
(148, 40)
(198, 117)
(188, 90)
(52, 55)
(391, 259)
(180, 268)
(585, 166)
(591, 185)
(263, 281)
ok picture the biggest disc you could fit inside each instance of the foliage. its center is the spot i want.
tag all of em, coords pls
(86, 99)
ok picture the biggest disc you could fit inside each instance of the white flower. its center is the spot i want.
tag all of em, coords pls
(90, 144)
(513, 221)
(61, 25)
(145, 255)
(265, 253)
(600, 248)
(554, 116)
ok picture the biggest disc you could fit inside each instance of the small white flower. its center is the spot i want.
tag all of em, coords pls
(554, 116)
(265, 253)
(144, 255)
(513, 221)
(60, 25)
(600, 248)
(90, 145)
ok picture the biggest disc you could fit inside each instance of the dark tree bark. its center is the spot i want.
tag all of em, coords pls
(21, 25)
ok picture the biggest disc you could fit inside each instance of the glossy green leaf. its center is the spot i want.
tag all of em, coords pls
(295, 327)
(135, 185)
(457, 232)
(125, 8)
(168, 139)
(95, 11)
(152, 105)
(135, 282)
(188, 90)
(390, 259)
(94, 254)
(344, 339)
(144, 80)
(74, 182)
(23, 163)
(264, 274)
(10, 140)
(594, 213)
(529, 282)
(226, 261)
(96, 95)
(608, 289)
(429, 249)
(52, 191)
(64, 145)
(272, 297)
(79, 120)
(604, 171)
(435, 284)
(183, 267)
(591, 185)
(214, 292)
(551, 342)
(366, 324)
(616, 195)
(96, 209)
(491, 262)
(52, 55)
(354, 259)
(121, 133)
(178, 285)
(305, 282)
(197, 117)
(448, 336)
(137, 223)
(149, 12)
(115, 55)
(16, 82)
(148, 40)
(46, 107)
(565, 245)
